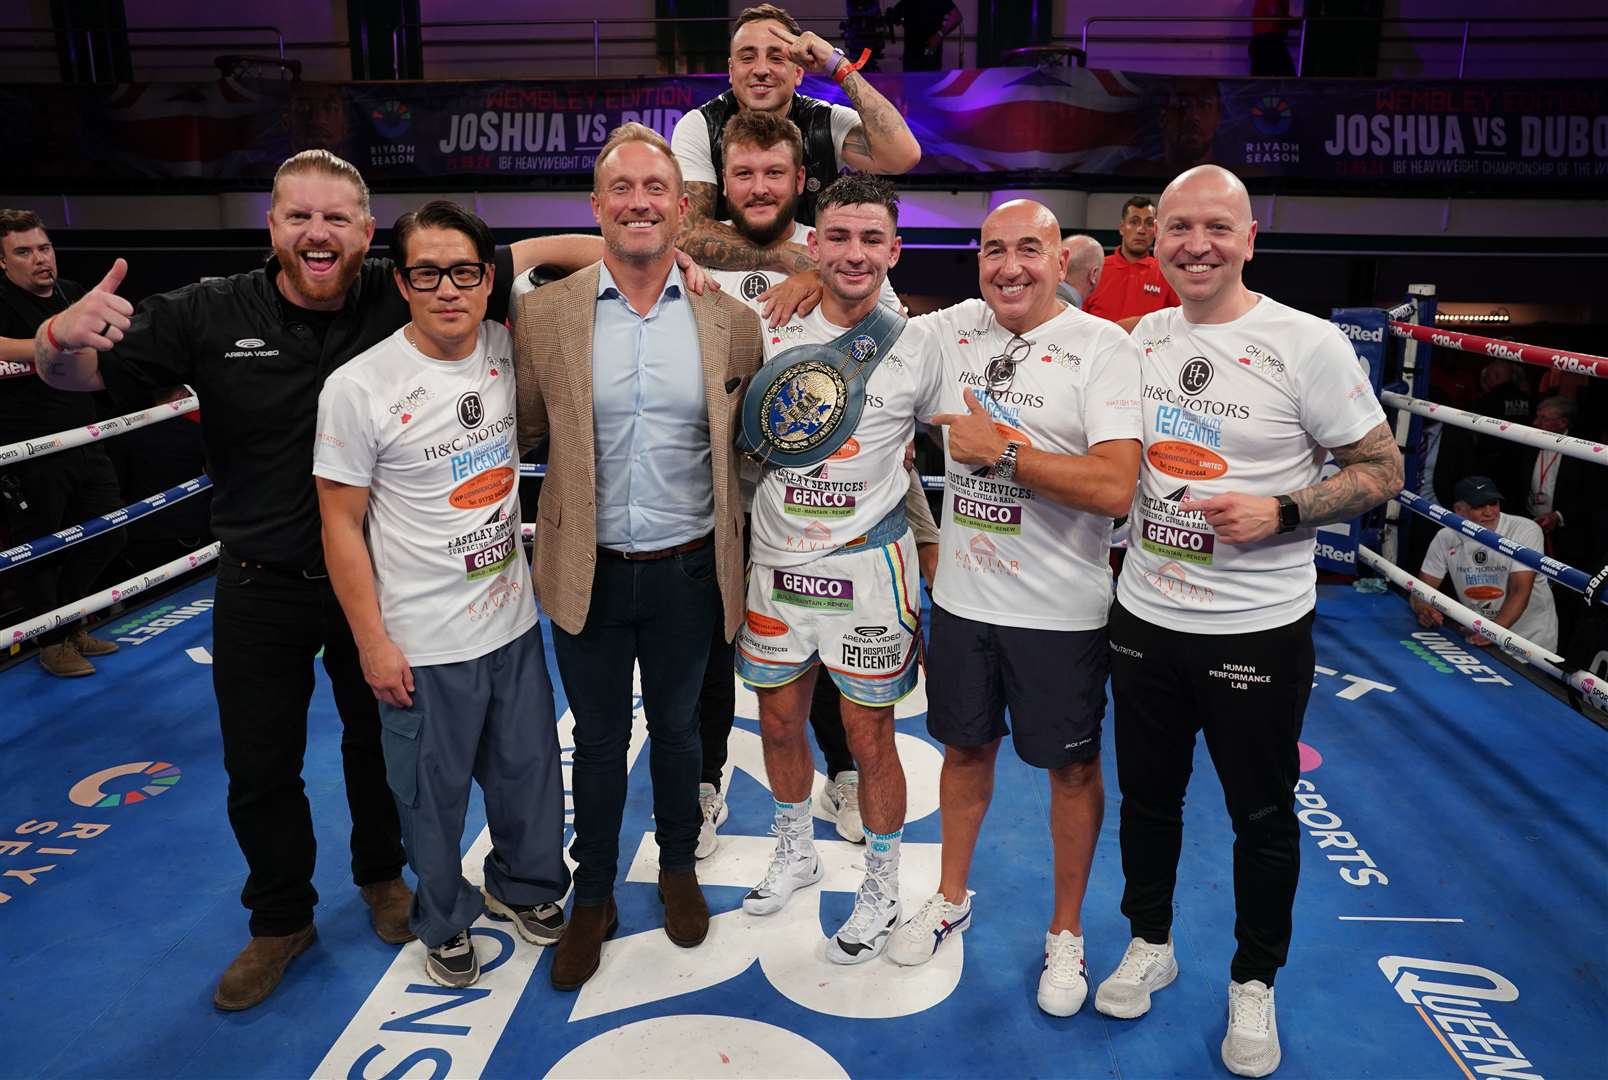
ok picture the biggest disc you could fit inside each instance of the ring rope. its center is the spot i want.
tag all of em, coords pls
(1567, 445)
(72, 612)
(118, 425)
(1541, 563)
(1535, 355)
(76, 534)
(1528, 651)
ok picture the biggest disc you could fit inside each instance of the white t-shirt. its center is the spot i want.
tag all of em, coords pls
(747, 285)
(1480, 575)
(690, 143)
(434, 442)
(1008, 555)
(1245, 406)
(802, 515)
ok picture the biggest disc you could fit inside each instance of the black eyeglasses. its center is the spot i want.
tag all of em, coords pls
(1001, 369)
(428, 278)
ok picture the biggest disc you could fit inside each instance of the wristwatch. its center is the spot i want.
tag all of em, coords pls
(1289, 514)
(1005, 467)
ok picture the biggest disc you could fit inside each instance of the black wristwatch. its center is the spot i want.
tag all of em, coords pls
(1289, 514)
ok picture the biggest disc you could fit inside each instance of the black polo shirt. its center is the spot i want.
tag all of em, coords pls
(258, 363)
(29, 408)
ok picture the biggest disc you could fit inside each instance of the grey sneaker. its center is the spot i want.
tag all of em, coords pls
(539, 924)
(453, 963)
(1145, 968)
(1251, 1047)
(842, 801)
(712, 804)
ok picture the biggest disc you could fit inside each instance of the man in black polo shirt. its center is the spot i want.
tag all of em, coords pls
(43, 494)
(256, 348)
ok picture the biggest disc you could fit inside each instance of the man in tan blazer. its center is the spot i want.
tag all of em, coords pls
(636, 382)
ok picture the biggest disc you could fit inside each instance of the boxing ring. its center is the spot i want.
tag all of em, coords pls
(1452, 918)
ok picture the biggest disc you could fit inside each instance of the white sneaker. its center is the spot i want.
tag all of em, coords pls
(1251, 1047)
(919, 939)
(793, 865)
(871, 924)
(1145, 968)
(1065, 981)
(713, 804)
(842, 800)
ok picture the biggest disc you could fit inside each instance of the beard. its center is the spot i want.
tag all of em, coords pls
(765, 236)
(321, 290)
(614, 241)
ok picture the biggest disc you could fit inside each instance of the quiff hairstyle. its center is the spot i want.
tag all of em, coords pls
(763, 130)
(766, 11)
(19, 221)
(323, 163)
(634, 132)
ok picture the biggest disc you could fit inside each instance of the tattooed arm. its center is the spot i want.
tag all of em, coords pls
(719, 246)
(882, 143)
(1370, 473)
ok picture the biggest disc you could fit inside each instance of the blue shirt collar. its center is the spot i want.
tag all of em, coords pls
(673, 285)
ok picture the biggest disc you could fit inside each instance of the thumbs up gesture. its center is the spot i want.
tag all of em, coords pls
(98, 320)
(973, 437)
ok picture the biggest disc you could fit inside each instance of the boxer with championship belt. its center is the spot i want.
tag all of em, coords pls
(833, 580)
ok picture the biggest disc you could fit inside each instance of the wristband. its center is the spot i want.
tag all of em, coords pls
(54, 344)
(844, 68)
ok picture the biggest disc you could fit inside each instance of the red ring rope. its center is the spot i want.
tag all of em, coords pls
(1535, 355)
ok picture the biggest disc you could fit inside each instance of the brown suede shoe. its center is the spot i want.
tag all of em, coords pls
(259, 967)
(64, 661)
(686, 914)
(90, 646)
(389, 903)
(576, 956)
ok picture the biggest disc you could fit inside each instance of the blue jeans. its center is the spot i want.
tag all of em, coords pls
(659, 615)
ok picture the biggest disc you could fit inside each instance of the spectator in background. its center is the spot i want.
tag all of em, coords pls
(1085, 262)
(1514, 597)
(1502, 395)
(1269, 53)
(926, 23)
(1559, 499)
(42, 494)
(1131, 285)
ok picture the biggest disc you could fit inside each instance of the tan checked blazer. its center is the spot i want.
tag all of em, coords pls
(553, 365)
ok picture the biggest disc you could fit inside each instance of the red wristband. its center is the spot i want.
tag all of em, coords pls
(54, 344)
(845, 69)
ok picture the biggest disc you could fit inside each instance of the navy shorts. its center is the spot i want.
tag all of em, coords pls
(1051, 681)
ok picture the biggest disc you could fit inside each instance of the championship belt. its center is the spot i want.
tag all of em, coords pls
(803, 405)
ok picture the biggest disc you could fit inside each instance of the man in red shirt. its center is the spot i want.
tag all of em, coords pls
(1131, 285)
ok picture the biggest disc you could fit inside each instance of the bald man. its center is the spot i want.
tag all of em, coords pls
(1085, 259)
(1041, 446)
(1212, 628)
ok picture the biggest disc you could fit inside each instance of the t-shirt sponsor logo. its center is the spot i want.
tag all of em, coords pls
(471, 413)
(407, 406)
(473, 462)
(1172, 580)
(485, 489)
(502, 592)
(457, 443)
(847, 450)
(753, 285)
(1483, 592)
(1196, 375)
(249, 346)
(980, 556)
(1207, 406)
(817, 503)
(1181, 423)
(987, 516)
(1190, 545)
(1185, 460)
(765, 626)
(811, 591)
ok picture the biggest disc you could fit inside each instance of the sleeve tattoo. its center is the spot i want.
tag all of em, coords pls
(717, 245)
(1370, 473)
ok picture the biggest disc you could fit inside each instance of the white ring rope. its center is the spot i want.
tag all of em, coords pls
(118, 425)
(72, 612)
(1522, 648)
(1567, 445)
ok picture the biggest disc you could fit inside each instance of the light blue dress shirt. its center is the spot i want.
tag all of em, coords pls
(650, 421)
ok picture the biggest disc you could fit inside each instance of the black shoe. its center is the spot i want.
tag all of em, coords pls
(539, 924)
(453, 962)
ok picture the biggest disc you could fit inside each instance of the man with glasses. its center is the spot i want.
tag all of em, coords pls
(1042, 451)
(421, 536)
(256, 348)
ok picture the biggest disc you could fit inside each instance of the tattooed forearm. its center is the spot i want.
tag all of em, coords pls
(882, 142)
(718, 246)
(1370, 473)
